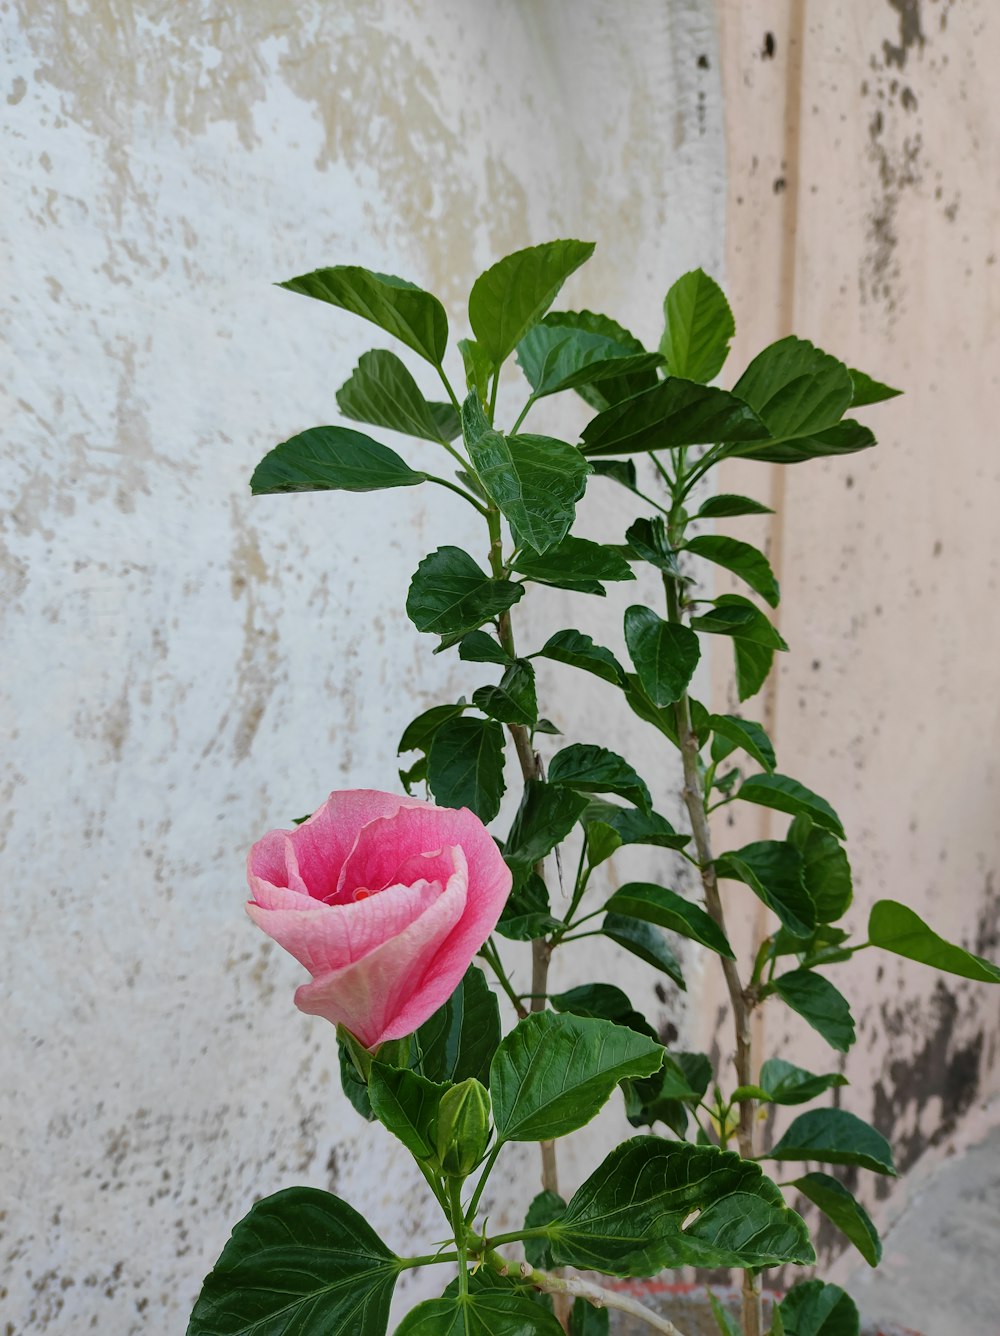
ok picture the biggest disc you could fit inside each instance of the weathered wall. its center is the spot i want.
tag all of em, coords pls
(185, 668)
(864, 196)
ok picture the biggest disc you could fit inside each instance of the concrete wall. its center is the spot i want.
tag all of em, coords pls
(183, 666)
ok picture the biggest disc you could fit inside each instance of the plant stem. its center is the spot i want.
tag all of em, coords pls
(470, 1213)
(461, 1234)
(740, 1000)
(431, 1259)
(459, 491)
(492, 957)
(567, 1288)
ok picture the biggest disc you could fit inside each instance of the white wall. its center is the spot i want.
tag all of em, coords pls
(184, 667)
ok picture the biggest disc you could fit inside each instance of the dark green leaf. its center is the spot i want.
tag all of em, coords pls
(743, 559)
(446, 419)
(515, 293)
(868, 391)
(553, 1073)
(480, 647)
(407, 1104)
(579, 651)
(814, 1309)
(591, 769)
(667, 909)
(699, 326)
(586, 1320)
(575, 563)
(415, 774)
(645, 941)
(733, 615)
(331, 459)
(545, 817)
(557, 357)
(513, 700)
(665, 654)
(673, 413)
(382, 391)
(834, 1136)
(354, 1085)
(746, 735)
(534, 480)
(725, 505)
(526, 914)
(609, 827)
(818, 1002)
(796, 388)
(465, 766)
(610, 389)
(621, 470)
(840, 1206)
(783, 1083)
(896, 928)
(787, 795)
(419, 734)
(477, 368)
(726, 1323)
(773, 871)
(544, 1208)
(398, 307)
(844, 438)
(604, 1002)
(639, 703)
(753, 664)
(301, 1260)
(450, 595)
(825, 869)
(481, 1313)
(459, 1040)
(648, 540)
(629, 1217)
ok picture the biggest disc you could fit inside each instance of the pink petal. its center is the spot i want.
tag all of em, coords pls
(386, 847)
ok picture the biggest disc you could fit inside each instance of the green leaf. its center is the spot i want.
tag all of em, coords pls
(465, 766)
(459, 1040)
(400, 308)
(591, 769)
(553, 1073)
(796, 388)
(300, 1260)
(603, 1002)
(544, 1208)
(868, 391)
(723, 1320)
(787, 795)
(814, 1309)
(556, 357)
(699, 326)
(665, 654)
(746, 735)
(673, 413)
(534, 480)
(621, 470)
(648, 540)
(683, 1079)
(477, 368)
(419, 734)
(407, 1104)
(667, 909)
(382, 391)
(331, 459)
(514, 294)
(354, 1085)
(526, 914)
(513, 700)
(632, 1216)
(645, 941)
(840, 1206)
(450, 595)
(825, 870)
(773, 871)
(586, 1320)
(743, 559)
(844, 438)
(482, 1313)
(609, 827)
(610, 389)
(896, 928)
(480, 647)
(579, 651)
(726, 505)
(818, 1002)
(575, 563)
(639, 703)
(733, 615)
(783, 1083)
(545, 817)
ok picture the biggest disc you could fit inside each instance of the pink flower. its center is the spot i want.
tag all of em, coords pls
(384, 900)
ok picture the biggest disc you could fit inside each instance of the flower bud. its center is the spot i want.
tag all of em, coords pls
(463, 1130)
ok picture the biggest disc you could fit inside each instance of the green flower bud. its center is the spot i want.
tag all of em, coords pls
(463, 1129)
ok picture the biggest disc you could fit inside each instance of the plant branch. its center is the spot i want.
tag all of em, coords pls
(492, 957)
(459, 491)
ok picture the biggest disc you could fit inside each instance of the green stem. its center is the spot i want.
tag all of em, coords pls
(434, 1183)
(459, 491)
(491, 955)
(523, 414)
(451, 393)
(491, 1160)
(461, 1235)
(579, 888)
(408, 1263)
(491, 412)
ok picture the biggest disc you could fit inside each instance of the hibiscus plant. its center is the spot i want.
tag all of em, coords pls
(388, 899)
